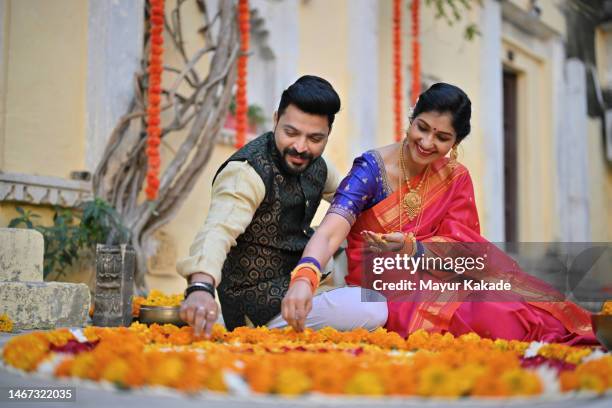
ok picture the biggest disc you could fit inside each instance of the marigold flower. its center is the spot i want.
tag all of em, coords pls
(291, 381)
(6, 324)
(27, 351)
(438, 380)
(607, 308)
(289, 363)
(365, 383)
(521, 382)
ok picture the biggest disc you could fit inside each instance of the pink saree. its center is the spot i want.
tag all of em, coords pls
(449, 215)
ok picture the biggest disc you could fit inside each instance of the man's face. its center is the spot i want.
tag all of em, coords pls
(300, 138)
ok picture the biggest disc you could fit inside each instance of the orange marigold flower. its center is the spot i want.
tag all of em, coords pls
(27, 351)
(490, 386)
(607, 308)
(568, 381)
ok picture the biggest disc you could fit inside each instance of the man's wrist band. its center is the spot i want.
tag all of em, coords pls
(197, 286)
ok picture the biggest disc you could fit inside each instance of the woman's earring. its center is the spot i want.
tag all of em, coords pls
(453, 157)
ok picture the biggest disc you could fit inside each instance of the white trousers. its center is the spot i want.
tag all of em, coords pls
(343, 309)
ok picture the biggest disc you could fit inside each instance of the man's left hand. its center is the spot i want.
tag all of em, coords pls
(297, 303)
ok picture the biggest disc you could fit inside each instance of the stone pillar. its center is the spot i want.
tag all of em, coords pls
(573, 158)
(363, 59)
(115, 39)
(491, 115)
(114, 285)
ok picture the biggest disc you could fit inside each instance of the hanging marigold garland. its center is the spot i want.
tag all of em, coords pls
(153, 111)
(241, 91)
(397, 69)
(416, 53)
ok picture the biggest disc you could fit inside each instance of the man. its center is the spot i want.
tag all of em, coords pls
(263, 200)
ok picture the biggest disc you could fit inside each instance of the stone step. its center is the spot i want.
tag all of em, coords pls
(45, 305)
(21, 255)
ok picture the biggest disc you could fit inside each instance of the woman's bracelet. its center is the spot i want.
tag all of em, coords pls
(309, 270)
(311, 260)
(414, 246)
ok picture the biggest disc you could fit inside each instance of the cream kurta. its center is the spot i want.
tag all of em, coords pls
(236, 194)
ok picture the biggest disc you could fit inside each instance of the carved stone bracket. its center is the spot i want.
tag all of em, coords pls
(32, 189)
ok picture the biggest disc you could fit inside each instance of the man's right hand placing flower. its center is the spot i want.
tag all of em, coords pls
(199, 309)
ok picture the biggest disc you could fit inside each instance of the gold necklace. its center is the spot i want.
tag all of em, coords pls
(412, 201)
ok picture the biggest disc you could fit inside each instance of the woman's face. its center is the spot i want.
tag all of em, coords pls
(430, 136)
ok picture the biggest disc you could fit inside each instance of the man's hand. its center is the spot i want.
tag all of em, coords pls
(200, 310)
(297, 303)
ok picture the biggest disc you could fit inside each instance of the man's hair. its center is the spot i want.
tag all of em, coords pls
(313, 95)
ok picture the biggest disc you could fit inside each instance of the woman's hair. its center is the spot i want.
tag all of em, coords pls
(311, 94)
(443, 98)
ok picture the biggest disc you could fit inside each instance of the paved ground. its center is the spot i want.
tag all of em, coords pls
(91, 395)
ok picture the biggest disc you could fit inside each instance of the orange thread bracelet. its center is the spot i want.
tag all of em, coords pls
(307, 273)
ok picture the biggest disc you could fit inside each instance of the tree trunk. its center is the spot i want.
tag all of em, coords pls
(120, 176)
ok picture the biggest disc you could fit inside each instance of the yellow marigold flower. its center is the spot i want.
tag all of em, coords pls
(365, 383)
(501, 344)
(6, 324)
(438, 380)
(591, 382)
(576, 356)
(331, 334)
(116, 371)
(158, 298)
(470, 337)
(291, 381)
(215, 382)
(600, 369)
(59, 337)
(521, 382)
(91, 333)
(468, 375)
(84, 366)
(166, 369)
(417, 340)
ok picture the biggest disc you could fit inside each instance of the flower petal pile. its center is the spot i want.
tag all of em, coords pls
(290, 363)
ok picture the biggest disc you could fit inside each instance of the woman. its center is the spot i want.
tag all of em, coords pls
(406, 197)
